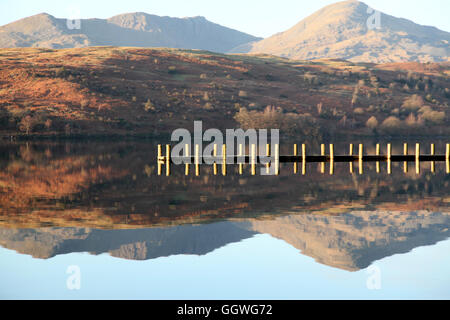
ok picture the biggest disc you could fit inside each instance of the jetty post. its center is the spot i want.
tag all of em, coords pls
(417, 158)
(331, 159)
(295, 163)
(361, 151)
(197, 160)
(159, 161)
(378, 152)
(167, 159)
(447, 158)
(186, 153)
(433, 163)
(224, 160)
(389, 158)
(351, 154)
(322, 153)
(241, 165)
(303, 159)
(253, 160)
(215, 159)
(277, 159)
(405, 153)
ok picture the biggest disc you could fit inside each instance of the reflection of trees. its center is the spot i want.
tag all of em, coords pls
(117, 184)
(36, 177)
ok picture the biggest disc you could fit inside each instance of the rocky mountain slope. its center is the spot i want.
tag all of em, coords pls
(351, 30)
(126, 30)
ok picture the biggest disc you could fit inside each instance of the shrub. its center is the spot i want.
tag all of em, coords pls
(243, 94)
(434, 117)
(359, 111)
(413, 103)
(84, 104)
(392, 124)
(310, 78)
(372, 123)
(274, 118)
(208, 106)
(149, 106)
(425, 109)
(27, 124)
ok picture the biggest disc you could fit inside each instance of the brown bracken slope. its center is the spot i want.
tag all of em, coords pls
(149, 92)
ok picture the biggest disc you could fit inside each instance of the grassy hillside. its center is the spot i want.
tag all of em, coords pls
(150, 92)
(341, 30)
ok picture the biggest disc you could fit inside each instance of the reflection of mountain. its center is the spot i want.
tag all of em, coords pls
(351, 241)
(139, 244)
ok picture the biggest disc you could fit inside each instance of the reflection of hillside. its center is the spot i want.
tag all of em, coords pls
(139, 244)
(35, 179)
(350, 241)
(114, 185)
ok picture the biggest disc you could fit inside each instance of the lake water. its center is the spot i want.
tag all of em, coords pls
(94, 220)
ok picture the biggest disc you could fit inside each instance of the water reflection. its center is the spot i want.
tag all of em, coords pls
(58, 198)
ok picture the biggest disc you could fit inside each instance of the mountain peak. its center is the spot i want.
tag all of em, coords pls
(351, 30)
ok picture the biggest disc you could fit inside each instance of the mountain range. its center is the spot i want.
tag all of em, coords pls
(347, 30)
(125, 30)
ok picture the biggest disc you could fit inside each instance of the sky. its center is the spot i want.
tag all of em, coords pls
(261, 18)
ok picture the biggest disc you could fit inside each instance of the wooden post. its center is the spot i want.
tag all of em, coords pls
(331, 159)
(253, 159)
(351, 154)
(433, 152)
(268, 159)
(322, 153)
(295, 155)
(447, 158)
(241, 165)
(197, 160)
(186, 153)
(361, 150)
(378, 152)
(277, 159)
(215, 160)
(405, 153)
(159, 159)
(224, 160)
(389, 158)
(303, 159)
(168, 160)
(417, 158)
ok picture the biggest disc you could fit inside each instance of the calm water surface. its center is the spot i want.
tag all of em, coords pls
(93, 220)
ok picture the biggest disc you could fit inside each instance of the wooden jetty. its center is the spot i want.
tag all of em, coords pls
(254, 159)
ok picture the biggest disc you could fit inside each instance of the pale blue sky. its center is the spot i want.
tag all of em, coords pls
(257, 17)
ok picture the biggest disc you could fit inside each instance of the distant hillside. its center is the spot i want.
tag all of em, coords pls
(127, 30)
(134, 91)
(340, 31)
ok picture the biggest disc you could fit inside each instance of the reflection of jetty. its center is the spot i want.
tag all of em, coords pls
(272, 162)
